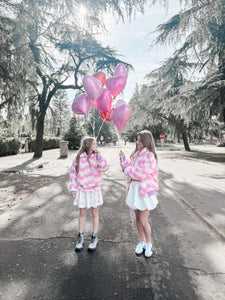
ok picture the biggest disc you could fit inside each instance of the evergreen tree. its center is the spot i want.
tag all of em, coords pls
(74, 134)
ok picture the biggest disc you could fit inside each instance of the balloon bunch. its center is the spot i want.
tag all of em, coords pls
(101, 98)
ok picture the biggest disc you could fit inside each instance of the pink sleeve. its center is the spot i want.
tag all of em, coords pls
(73, 178)
(143, 169)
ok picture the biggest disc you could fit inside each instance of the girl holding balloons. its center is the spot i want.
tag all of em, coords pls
(142, 171)
(86, 179)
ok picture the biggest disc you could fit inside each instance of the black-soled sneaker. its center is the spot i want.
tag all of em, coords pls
(80, 242)
(94, 242)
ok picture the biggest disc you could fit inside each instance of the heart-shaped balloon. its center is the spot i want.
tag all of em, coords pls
(105, 115)
(100, 76)
(116, 85)
(120, 116)
(104, 102)
(121, 70)
(120, 102)
(92, 86)
(81, 105)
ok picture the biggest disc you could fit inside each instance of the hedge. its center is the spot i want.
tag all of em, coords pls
(51, 143)
(9, 146)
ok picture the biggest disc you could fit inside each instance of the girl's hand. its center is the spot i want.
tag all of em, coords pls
(121, 153)
(74, 196)
(97, 152)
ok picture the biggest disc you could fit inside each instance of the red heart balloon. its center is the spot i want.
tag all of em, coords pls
(100, 76)
(105, 115)
(116, 85)
(120, 116)
(104, 102)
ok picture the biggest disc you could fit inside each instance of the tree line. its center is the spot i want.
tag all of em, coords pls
(186, 94)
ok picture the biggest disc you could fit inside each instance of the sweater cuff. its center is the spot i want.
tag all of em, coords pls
(73, 192)
(122, 158)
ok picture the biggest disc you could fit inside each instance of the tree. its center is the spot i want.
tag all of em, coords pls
(204, 23)
(59, 115)
(74, 134)
(172, 95)
(45, 23)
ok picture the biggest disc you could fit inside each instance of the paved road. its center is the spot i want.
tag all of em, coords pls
(37, 238)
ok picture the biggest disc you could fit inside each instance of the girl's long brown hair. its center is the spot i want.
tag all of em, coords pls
(85, 147)
(147, 141)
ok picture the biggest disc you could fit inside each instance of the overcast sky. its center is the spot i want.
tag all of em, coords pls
(132, 41)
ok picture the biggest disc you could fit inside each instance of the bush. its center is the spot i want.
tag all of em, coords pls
(9, 146)
(50, 143)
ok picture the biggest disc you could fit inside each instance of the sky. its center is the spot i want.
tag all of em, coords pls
(132, 41)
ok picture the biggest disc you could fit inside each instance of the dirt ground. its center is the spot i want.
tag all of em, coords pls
(21, 175)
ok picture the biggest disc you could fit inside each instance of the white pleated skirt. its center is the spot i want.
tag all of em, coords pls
(135, 201)
(88, 199)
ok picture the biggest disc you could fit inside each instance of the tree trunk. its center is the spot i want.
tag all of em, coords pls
(185, 140)
(39, 137)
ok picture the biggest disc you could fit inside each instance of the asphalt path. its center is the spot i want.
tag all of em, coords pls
(38, 236)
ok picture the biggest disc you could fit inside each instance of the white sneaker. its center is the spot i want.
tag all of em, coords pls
(94, 241)
(140, 248)
(80, 241)
(148, 250)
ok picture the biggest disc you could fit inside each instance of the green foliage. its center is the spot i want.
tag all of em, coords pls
(48, 143)
(74, 134)
(9, 146)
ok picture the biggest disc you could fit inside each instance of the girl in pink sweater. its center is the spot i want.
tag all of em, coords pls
(85, 186)
(142, 171)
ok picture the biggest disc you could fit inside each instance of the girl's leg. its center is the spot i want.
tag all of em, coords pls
(82, 219)
(95, 219)
(143, 219)
(139, 226)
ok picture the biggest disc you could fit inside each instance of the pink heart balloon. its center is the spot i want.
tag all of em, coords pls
(100, 76)
(121, 70)
(81, 105)
(116, 85)
(120, 116)
(104, 102)
(120, 102)
(92, 86)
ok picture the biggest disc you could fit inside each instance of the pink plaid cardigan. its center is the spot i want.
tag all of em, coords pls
(89, 176)
(146, 171)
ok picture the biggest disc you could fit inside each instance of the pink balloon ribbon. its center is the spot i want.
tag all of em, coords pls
(92, 86)
(81, 105)
(120, 116)
(116, 85)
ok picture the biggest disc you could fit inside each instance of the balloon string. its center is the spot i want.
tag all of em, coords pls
(119, 137)
(103, 121)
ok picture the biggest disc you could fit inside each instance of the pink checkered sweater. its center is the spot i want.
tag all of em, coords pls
(145, 171)
(89, 176)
